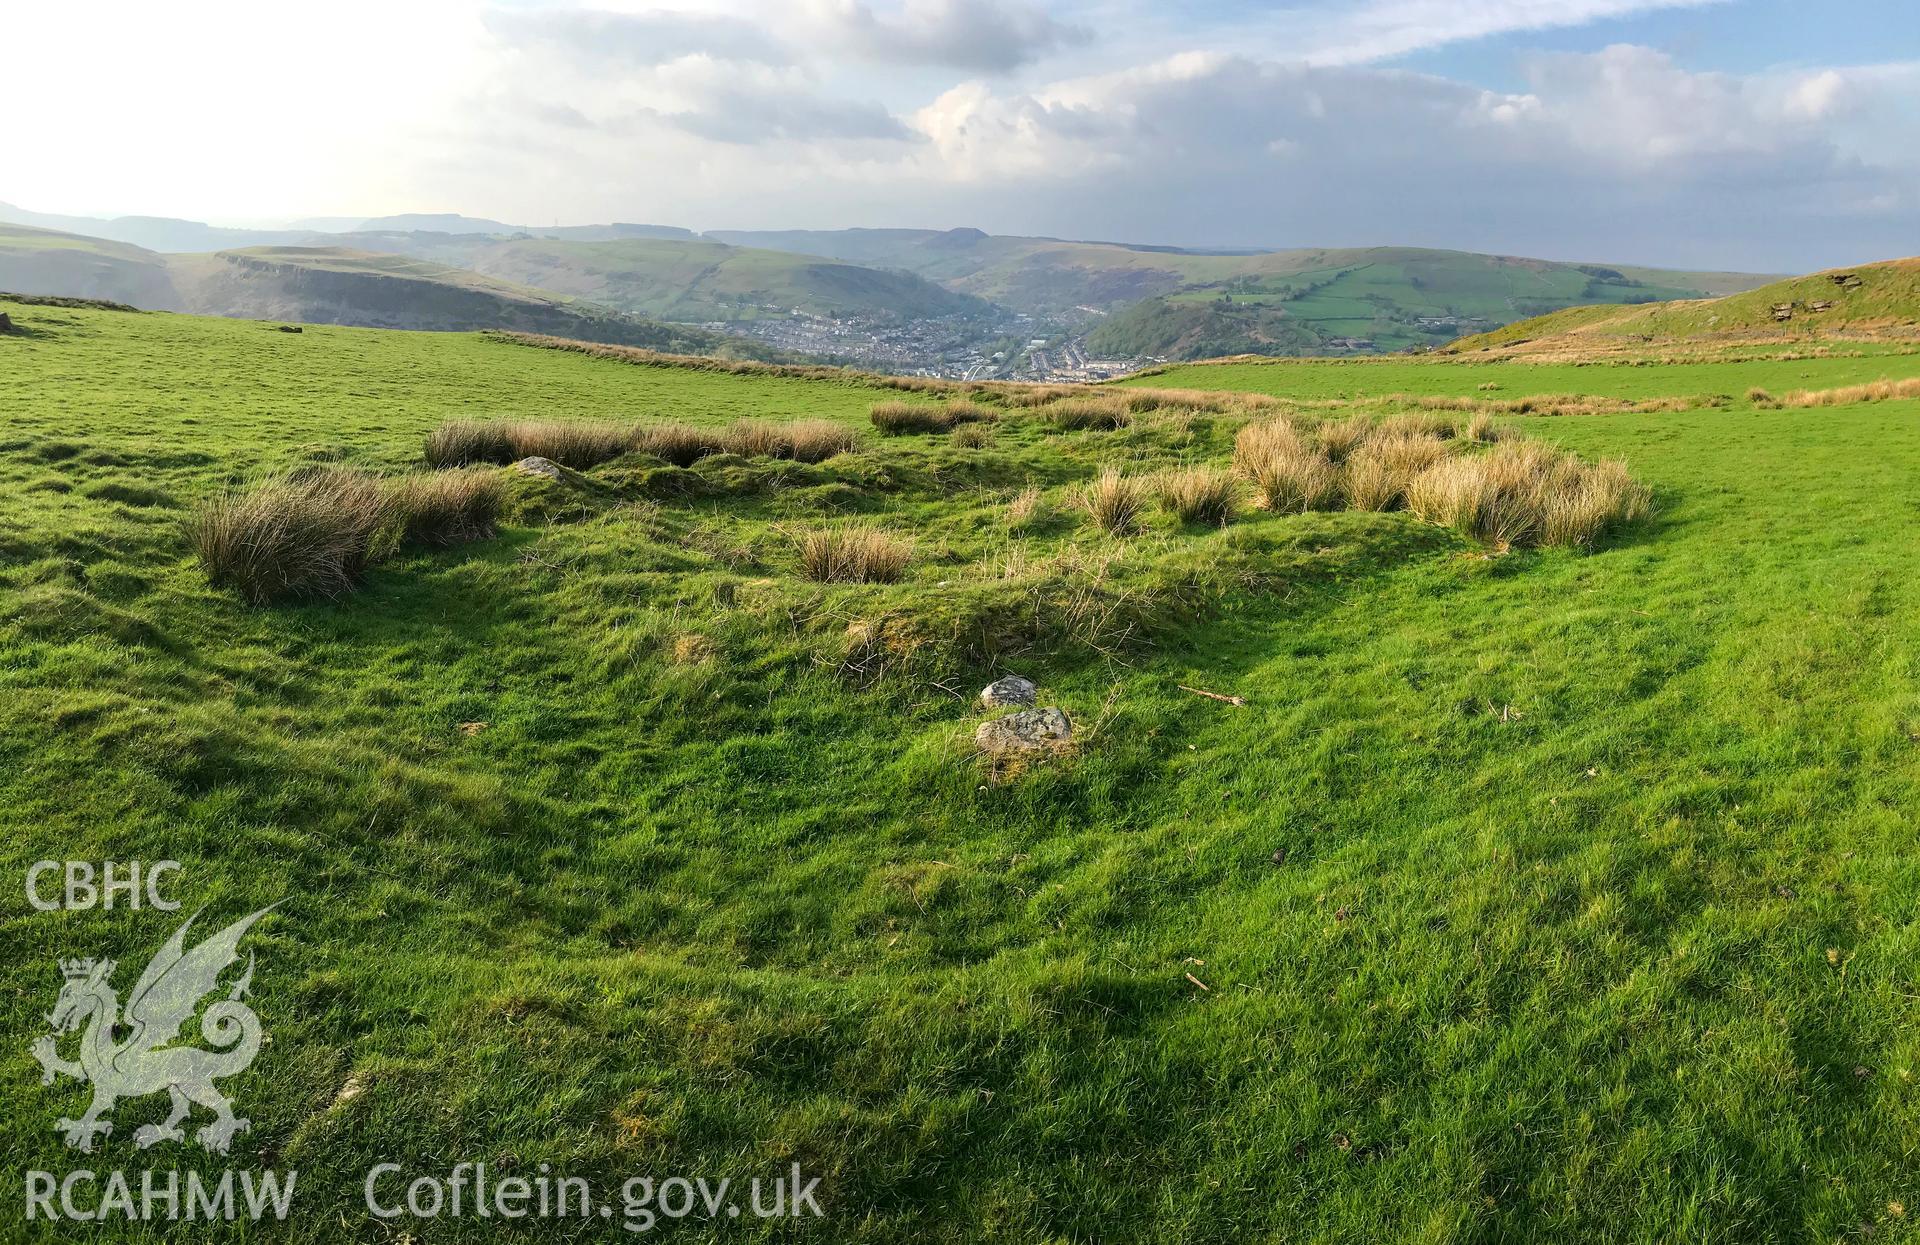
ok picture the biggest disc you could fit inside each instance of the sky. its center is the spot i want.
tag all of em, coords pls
(1758, 135)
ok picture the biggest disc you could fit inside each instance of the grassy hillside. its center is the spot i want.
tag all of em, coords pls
(690, 281)
(1379, 300)
(1340, 291)
(1529, 895)
(326, 285)
(40, 261)
(1870, 302)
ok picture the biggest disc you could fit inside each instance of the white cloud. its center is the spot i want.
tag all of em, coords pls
(989, 36)
(739, 113)
(1378, 29)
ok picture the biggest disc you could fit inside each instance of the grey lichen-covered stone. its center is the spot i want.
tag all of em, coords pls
(1030, 730)
(545, 468)
(1009, 691)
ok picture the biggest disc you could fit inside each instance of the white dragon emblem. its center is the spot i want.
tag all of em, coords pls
(165, 998)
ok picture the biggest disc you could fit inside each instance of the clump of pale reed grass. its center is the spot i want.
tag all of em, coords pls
(1340, 438)
(680, 444)
(1102, 414)
(853, 554)
(1199, 495)
(1288, 474)
(1025, 509)
(575, 444)
(816, 440)
(1875, 391)
(1527, 494)
(1378, 474)
(897, 418)
(1114, 502)
(1481, 428)
(446, 507)
(293, 538)
(1411, 424)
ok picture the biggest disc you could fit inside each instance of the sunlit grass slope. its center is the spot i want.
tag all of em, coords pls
(1529, 896)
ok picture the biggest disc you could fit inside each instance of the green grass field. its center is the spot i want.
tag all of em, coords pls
(1354, 378)
(1538, 896)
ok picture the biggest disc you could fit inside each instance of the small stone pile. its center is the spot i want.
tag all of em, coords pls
(1026, 731)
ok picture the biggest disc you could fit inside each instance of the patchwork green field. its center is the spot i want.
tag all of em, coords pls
(1530, 893)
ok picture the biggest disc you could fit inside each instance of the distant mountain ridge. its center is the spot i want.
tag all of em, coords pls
(1184, 304)
(688, 280)
(170, 234)
(329, 285)
(1129, 300)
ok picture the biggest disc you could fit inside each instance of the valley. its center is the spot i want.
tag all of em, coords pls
(956, 303)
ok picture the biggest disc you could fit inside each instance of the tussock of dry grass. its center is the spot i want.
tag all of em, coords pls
(1874, 391)
(1481, 428)
(1205, 401)
(579, 445)
(1041, 395)
(1379, 473)
(816, 440)
(311, 535)
(680, 444)
(446, 507)
(461, 443)
(756, 438)
(1268, 436)
(292, 538)
(1025, 509)
(807, 440)
(1199, 495)
(853, 555)
(1415, 425)
(971, 437)
(1288, 474)
(1528, 494)
(1114, 502)
(966, 412)
(897, 418)
(1340, 438)
(1102, 414)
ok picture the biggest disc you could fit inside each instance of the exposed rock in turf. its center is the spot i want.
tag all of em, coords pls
(545, 468)
(1030, 730)
(1007, 691)
(6, 323)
